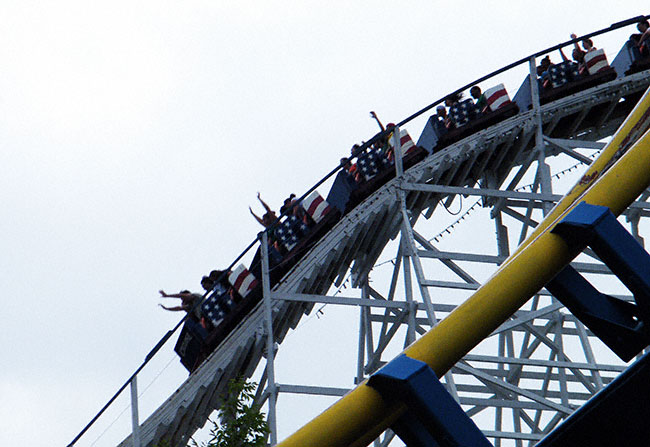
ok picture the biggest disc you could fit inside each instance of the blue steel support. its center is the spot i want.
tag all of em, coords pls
(433, 418)
(614, 321)
(619, 324)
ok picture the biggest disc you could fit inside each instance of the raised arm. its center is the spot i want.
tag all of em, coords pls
(374, 115)
(266, 207)
(575, 44)
(173, 295)
(257, 218)
(172, 309)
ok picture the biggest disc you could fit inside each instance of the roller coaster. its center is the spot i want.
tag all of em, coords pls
(537, 363)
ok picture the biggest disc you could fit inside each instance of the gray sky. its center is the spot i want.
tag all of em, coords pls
(136, 134)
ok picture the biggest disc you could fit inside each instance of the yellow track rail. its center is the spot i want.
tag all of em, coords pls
(361, 415)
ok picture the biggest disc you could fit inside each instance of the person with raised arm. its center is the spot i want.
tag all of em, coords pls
(188, 301)
(268, 218)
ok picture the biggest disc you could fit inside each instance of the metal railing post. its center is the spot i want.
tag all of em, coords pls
(270, 342)
(397, 152)
(543, 170)
(361, 356)
(135, 419)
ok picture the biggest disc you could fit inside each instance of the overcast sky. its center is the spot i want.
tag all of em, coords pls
(134, 136)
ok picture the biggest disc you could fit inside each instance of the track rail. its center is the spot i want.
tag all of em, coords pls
(357, 240)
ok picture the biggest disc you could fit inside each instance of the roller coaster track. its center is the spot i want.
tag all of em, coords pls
(484, 159)
(488, 164)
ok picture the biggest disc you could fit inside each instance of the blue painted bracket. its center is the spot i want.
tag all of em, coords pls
(619, 324)
(614, 321)
(433, 418)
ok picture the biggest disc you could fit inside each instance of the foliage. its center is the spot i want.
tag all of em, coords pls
(242, 423)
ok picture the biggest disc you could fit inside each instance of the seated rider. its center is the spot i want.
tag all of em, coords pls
(578, 55)
(588, 45)
(451, 101)
(439, 119)
(207, 283)
(351, 172)
(217, 280)
(642, 41)
(226, 295)
(542, 71)
(267, 221)
(284, 209)
(382, 145)
(481, 100)
(291, 207)
(222, 283)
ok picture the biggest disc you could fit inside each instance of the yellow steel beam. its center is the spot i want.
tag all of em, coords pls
(361, 415)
